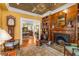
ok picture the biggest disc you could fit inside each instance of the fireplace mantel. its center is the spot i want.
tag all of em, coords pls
(65, 32)
(61, 36)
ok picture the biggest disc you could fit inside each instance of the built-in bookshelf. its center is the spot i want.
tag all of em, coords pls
(45, 27)
(77, 27)
(61, 22)
(65, 23)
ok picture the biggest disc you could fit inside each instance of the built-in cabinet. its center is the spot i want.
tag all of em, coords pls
(65, 23)
(61, 22)
(77, 27)
(45, 28)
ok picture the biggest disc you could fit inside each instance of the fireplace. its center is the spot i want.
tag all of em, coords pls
(59, 37)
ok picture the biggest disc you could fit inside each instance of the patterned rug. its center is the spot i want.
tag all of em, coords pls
(58, 47)
(43, 50)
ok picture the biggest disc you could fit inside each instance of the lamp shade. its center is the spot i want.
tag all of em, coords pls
(4, 35)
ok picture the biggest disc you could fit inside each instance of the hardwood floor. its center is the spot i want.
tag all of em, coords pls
(43, 50)
(28, 41)
(28, 46)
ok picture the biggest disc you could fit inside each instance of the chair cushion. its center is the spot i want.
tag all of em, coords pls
(70, 44)
(74, 45)
(16, 42)
(9, 44)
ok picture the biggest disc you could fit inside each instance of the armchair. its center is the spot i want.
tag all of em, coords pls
(72, 49)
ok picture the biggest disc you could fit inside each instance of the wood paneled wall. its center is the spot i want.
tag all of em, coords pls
(53, 19)
(71, 15)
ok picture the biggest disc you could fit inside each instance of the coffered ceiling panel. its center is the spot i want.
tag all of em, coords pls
(38, 8)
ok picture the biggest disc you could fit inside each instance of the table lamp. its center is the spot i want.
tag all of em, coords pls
(4, 36)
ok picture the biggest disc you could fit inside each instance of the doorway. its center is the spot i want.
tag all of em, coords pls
(30, 30)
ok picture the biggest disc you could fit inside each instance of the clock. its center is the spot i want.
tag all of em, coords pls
(10, 21)
(11, 25)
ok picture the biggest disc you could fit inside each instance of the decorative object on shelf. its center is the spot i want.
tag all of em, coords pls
(69, 25)
(11, 25)
(70, 22)
(45, 28)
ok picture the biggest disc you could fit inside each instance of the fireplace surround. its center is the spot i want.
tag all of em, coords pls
(59, 37)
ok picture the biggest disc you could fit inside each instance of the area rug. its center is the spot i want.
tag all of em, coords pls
(58, 47)
(39, 51)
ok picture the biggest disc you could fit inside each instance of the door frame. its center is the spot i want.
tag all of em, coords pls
(27, 19)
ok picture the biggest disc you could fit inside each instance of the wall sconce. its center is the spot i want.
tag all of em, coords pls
(69, 25)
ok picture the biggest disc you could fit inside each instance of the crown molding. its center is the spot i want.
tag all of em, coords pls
(21, 11)
(43, 15)
(58, 9)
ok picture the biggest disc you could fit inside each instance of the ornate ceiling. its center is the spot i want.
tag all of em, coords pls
(38, 8)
